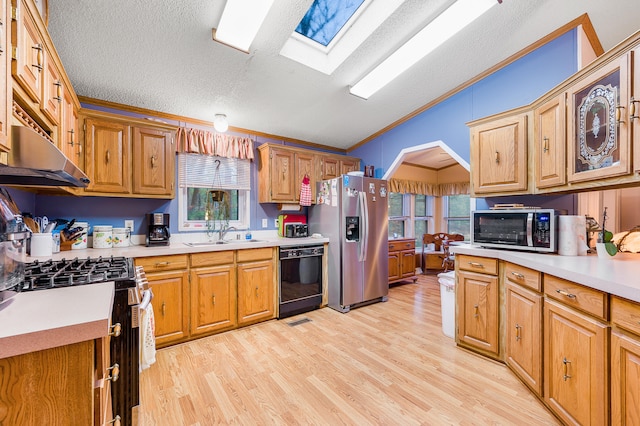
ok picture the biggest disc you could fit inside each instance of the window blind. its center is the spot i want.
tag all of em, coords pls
(207, 171)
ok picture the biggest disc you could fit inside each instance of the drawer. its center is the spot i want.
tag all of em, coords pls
(578, 296)
(212, 258)
(163, 263)
(402, 245)
(255, 254)
(523, 276)
(625, 314)
(483, 265)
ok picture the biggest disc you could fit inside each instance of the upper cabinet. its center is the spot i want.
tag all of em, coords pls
(584, 135)
(28, 52)
(499, 155)
(282, 169)
(599, 136)
(5, 81)
(127, 157)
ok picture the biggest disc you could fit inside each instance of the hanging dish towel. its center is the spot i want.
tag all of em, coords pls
(305, 191)
(147, 336)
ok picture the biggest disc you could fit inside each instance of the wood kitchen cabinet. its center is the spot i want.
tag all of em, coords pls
(5, 80)
(523, 324)
(576, 342)
(28, 51)
(634, 109)
(126, 157)
(282, 168)
(599, 135)
(52, 87)
(256, 285)
(168, 277)
(550, 142)
(49, 387)
(499, 154)
(213, 292)
(477, 304)
(625, 362)
(402, 260)
(68, 141)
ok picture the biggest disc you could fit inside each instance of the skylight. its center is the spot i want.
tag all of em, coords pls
(325, 18)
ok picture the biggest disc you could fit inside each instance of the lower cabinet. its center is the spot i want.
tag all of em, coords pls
(477, 305)
(523, 324)
(256, 286)
(50, 387)
(575, 365)
(625, 362)
(402, 260)
(169, 280)
(213, 292)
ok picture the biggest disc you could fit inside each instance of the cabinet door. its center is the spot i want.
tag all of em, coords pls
(213, 297)
(330, 167)
(599, 133)
(625, 379)
(52, 89)
(347, 166)
(28, 64)
(153, 161)
(282, 175)
(107, 148)
(408, 263)
(575, 365)
(499, 155)
(170, 306)
(478, 315)
(256, 287)
(305, 166)
(524, 335)
(394, 266)
(5, 80)
(68, 137)
(550, 143)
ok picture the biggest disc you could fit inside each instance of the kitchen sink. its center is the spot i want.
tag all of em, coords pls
(248, 241)
(206, 243)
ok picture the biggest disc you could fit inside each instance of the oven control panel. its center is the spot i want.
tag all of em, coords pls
(301, 251)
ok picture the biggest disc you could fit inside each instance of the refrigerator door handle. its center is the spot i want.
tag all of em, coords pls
(364, 217)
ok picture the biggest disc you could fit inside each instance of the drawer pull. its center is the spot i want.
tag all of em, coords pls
(476, 265)
(566, 293)
(518, 328)
(565, 368)
(213, 300)
(161, 264)
(115, 372)
(117, 329)
(164, 308)
(517, 275)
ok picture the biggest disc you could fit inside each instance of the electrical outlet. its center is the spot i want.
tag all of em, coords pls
(275, 223)
(129, 224)
(265, 223)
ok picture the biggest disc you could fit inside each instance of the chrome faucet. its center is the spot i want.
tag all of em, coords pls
(223, 231)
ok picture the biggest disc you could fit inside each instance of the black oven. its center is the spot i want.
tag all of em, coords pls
(125, 336)
(300, 271)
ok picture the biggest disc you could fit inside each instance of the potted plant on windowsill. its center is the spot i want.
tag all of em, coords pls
(604, 246)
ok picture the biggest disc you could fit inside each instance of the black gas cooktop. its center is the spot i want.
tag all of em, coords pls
(41, 275)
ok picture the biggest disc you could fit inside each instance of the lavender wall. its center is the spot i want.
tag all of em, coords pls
(515, 85)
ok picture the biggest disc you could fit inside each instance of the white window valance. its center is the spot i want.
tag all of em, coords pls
(197, 141)
(438, 190)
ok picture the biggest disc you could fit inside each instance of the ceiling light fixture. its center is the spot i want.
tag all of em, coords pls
(240, 22)
(220, 123)
(447, 24)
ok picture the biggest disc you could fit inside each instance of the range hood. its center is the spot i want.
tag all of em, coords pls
(33, 160)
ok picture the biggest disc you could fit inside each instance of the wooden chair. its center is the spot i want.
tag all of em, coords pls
(439, 257)
(449, 261)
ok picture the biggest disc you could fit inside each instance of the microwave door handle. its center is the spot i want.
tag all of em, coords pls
(530, 229)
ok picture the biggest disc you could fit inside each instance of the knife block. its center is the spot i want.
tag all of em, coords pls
(65, 245)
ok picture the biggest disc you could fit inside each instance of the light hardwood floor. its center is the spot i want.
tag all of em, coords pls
(386, 363)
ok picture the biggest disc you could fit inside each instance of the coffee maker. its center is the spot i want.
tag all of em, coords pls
(158, 229)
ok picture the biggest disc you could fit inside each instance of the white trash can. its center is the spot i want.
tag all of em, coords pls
(447, 282)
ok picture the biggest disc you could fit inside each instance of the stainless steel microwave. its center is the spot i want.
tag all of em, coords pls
(518, 229)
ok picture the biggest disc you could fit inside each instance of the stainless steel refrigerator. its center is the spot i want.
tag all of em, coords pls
(352, 212)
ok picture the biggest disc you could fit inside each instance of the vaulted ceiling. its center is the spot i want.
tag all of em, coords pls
(160, 55)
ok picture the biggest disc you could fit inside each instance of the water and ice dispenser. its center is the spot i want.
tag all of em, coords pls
(352, 228)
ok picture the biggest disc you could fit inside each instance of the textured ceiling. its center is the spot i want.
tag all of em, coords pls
(159, 55)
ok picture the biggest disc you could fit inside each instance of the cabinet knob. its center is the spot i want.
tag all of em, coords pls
(71, 133)
(116, 330)
(476, 314)
(213, 299)
(108, 156)
(632, 109)
(497, 157)
(116, 421)
(153, 161)
(545, 144)
(619, 114)
(565, 368)
(164, 308)
(518, 328)
(40, 57)
(115, 372)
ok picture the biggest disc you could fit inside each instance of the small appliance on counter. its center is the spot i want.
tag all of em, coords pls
(158, 229)
(292, 226)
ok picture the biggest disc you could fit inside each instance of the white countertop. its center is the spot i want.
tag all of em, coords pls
(44, 319)
(619, 275)
(177, 247)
